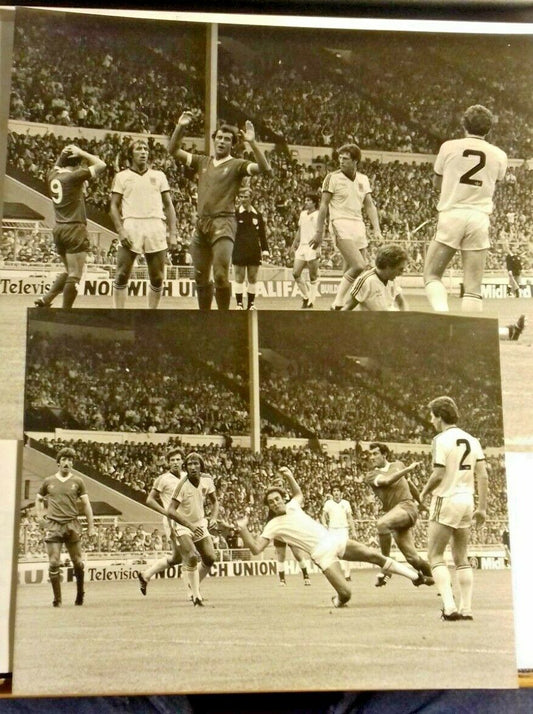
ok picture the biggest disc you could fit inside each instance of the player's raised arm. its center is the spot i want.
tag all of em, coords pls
(174, 144)
(433, 481)
(296, 491)
(95, 162)
(389, 479)
(255, 545)
(262, 165)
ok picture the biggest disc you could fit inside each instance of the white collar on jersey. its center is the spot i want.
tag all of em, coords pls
(242, 209)
(217, 162)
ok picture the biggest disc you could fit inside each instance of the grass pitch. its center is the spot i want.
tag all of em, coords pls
(254, 635)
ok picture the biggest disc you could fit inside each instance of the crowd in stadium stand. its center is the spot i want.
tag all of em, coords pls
(402, 191)
(115, 386)
(122, 387)
(389, 92)
(241, 479)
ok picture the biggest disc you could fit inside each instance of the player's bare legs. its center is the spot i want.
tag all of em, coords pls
(54, 562)
(222, 251)
(438, 257)
(155, 262)
(438, 538)
(355, 261)
(202, 259)
(297, 270)
(76, 556)
(335, 576)
(252, 273)
(125, 261)
(55, 289)
(312, 266)
(463, 570)
(240, 277)
(191, 558)
(208, 556)
(75, 263)
(359, 552)
(473, 269)
(160, 565)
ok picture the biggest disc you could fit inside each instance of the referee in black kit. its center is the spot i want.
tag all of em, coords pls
(249, 248)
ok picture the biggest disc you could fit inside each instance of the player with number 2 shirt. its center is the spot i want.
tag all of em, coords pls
(466, 172)
(65, 185)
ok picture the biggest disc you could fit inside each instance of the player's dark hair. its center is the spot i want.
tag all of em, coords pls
(195, 455)
(312, 197)
(390, 256)
(228, 129)
(65, 451)
(383, 448)
(173, 452)
(444, 408)
(333, 486)
(273, 489)
(477, 119)
(352, 149)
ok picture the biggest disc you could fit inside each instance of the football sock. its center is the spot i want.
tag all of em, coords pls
(120, 293)
(239, 291)
(471, 302)
(465, 581)
(443, 581)
(344, 286)
(194, 580)
(202, 571)
(79, 572)
(313, 291)
(302, 287)
(204, 295)
(250, 295)
(157, 567)
(154, 296)
(437, 295)
(304, 572)
(392, 566)
(281, 571)
(55, 289)
(55, 582)
(70, 291)
(223, 297)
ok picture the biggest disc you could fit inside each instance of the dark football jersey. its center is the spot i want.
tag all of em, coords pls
(66, 191)
(218, 185)
(391, 495)
(62, 497)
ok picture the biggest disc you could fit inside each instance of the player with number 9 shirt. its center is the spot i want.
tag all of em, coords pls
(466, 172)
(65, 185)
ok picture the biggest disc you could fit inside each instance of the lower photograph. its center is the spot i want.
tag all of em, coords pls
(280, 501)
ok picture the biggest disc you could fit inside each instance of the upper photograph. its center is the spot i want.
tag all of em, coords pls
(216, 166)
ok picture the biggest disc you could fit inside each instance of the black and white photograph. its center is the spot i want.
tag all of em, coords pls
(325, 530)
(258, 502)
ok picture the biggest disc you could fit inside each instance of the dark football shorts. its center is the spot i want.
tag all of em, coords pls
(71, 238)
(209, 230)
(68, 532)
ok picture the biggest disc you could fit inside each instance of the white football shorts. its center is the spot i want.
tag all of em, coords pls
(454, 511)
(463, 229)
(147, 235)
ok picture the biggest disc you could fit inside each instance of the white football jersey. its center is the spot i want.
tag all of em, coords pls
(307, 225)
(347, 195)
(295, 527)
(458, 452)
(469, 168)
(337, 513)
(141, 193)
(372, 293)
(165, 485)
(191, 499)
